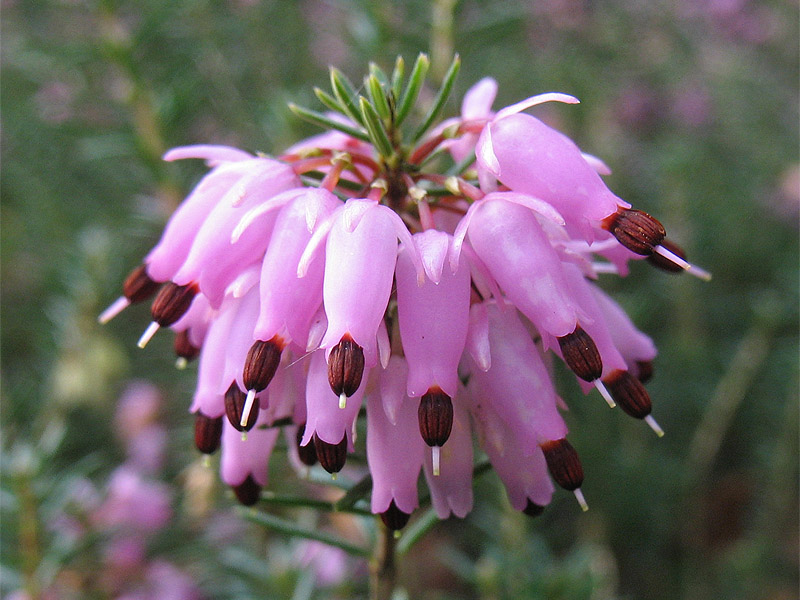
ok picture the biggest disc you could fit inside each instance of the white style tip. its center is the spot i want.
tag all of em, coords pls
(112, 311)
(654, 425)
(248, 407)
(181, 363)
(148, 334)
(604, 393)
(581, 500)
(686, 266)
(436, 453)
(244, 436)
(342, 401)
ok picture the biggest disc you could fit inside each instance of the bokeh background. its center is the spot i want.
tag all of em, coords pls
(693, 103)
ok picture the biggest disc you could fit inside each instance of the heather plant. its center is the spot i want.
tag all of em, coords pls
(693, 105)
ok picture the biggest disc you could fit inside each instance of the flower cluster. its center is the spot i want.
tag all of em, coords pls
(356, 272)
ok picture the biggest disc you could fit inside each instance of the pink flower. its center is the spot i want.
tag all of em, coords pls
(349, 273)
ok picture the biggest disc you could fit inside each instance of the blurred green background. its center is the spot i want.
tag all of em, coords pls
(693, 103)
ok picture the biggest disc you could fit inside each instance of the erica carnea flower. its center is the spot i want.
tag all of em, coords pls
(426, 275)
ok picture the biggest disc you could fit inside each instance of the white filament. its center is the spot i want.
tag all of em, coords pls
(112, 311)
(148, 334)
(604, 392)
(248, 407)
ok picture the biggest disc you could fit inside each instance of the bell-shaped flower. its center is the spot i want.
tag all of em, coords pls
(433, 317)
(360, 258)
(215, 260)
(243, 464)
(395, 450)
(517, 386)
(507, 237)
(448, 471)
(529, 157)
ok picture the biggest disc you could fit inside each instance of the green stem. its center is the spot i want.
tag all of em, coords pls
(383, 569)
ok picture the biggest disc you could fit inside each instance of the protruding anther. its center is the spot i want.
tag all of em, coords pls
(235, 404)
(307, 453)
(184, 348)
(148, 334)
(261, 363)
(138, 285)
(581, 500)
(394, 518)
(207, 433)
(532, 509)
(629, 393)
(563, 463)
(331, 456)
(581, 354)
(345, 367)
(248, 492)
(604, 393)
(435, 417)
(436, 455)
(172, 302)
(644, 370)
(636, 230)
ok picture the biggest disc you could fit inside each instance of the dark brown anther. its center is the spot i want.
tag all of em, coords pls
(172, 302)
(234, 407)
(644, 370)
(636, 230)
(665, 264)
(435, 417)
(563, 463)
(184, 347)
(394, 518)
(248, 492)
(307, 453)
(207, 433)
(345, 367)
(331, 456)
(581, 354)
(532, 509)
(138, 286)
(629, 393)
(261, 363)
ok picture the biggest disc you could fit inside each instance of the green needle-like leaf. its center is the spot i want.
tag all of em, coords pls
(346, 94)
(354, 494)
(317, 118)
(398, 75)
(416, 530)
(375, 127)
(329, 101)
(292, 529)
(378, 72)
(441, 98)
(377, 95)
(411, 92)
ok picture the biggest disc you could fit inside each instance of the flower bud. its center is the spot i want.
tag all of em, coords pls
(261, 363)
(636, 230)
(345, 367)
(331, 456)
(581, 354)
(247, 492)
(563, 463)
(307, 453)
(207, 433)
(394, 518)
(435, 417)
(138, 286)
(234, 407)
(664, 263)
(172, 302)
